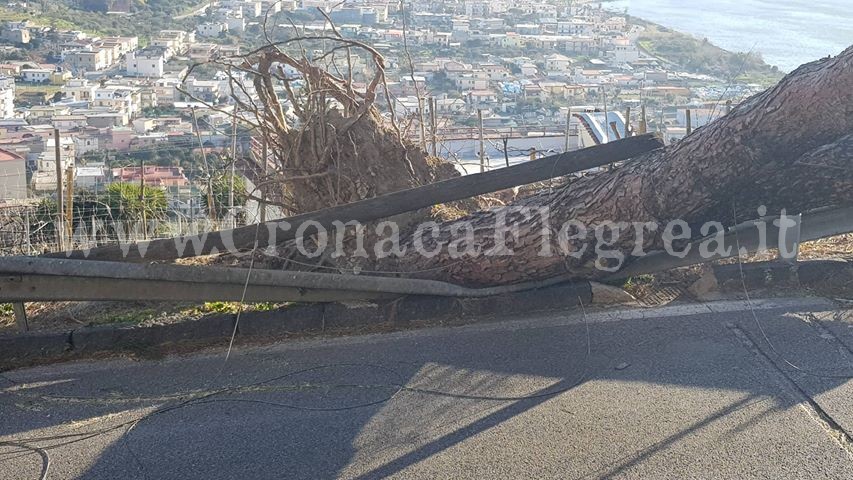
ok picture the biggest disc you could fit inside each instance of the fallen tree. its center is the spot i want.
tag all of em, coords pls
(762, 153)
(788, 147)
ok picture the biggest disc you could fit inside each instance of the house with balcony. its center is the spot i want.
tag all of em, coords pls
(36, 75)
(557, 65)
(149, 62)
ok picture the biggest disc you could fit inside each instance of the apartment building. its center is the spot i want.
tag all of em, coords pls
(149, 62)
(7, 97)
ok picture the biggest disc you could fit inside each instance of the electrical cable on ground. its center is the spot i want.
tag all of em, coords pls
(758, 324)
(24, 444)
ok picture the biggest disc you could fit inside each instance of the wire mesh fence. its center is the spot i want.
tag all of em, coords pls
(38, 227)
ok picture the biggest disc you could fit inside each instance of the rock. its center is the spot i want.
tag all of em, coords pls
(706, 288)
(608, 295)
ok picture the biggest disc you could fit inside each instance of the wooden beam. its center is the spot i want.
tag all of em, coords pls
(375, 208)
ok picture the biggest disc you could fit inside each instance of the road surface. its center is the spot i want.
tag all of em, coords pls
(194, 12)
(690, 391)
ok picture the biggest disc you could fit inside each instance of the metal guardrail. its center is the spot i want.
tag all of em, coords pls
(814, 225)
(27, 279)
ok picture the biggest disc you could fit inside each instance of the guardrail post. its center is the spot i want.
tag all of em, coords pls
(789, 238)
(21, 316)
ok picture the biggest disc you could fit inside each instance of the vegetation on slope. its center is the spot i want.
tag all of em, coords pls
(698, 55)
(146, 18)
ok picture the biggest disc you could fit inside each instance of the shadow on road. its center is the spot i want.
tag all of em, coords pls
(374, 406)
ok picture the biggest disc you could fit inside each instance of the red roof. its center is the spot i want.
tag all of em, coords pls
(160, 176)
(7, 156)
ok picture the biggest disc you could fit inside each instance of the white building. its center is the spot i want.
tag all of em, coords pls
(624, 52)
(36, 75)
(7, 97)
(212, 29)
(176, 42)
(575, 27)
(235, 23)
(79, 89)
(13, 176)
(149, 62)
(86, 143)
(477, 9)
(124, 100)
(92, 177)
(558, 65)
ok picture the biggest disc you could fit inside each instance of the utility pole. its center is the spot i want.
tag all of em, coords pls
(689, 121)
(210, 206)
(433, 126)
(606, 120)
(233, 169)
(421, 122)
(482, 141)
(142, 198)
(60, 228)
(263, 203)
(568, 126)
(643, 124)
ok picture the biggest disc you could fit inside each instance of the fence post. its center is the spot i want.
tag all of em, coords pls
(60, 211)
(482, 141)
(27, 231)
(69, 204)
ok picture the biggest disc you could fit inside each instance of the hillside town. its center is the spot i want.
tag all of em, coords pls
(126, 108)
(478, 239)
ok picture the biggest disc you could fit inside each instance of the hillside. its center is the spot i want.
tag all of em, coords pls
(144, 17)
(700, 56)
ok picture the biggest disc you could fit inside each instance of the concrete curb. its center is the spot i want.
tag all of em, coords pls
(809, 273)
(41, 347)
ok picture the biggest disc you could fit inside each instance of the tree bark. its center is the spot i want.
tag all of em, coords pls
(759, 154)
(375, 207)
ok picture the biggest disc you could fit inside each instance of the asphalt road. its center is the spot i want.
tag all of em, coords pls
(675, 392)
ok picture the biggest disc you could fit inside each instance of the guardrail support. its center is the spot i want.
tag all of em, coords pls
(790, 250)
(21, 316)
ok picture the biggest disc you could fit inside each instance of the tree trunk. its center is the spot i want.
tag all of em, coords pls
(759, 154)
